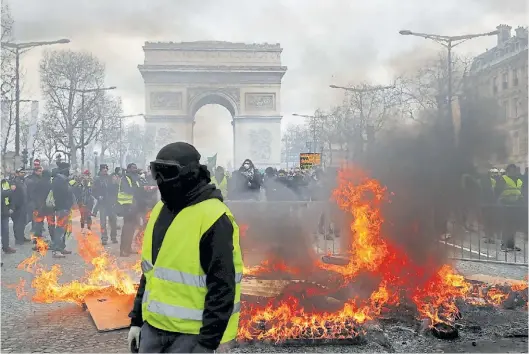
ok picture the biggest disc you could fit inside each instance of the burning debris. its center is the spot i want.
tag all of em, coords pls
(329, 301)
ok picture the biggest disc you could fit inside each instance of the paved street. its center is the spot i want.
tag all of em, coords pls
(30, 327)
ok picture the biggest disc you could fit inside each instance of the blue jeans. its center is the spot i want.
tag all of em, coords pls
(58, 240)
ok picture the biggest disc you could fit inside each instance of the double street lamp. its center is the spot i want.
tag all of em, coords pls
(448, 42)
(18, 49)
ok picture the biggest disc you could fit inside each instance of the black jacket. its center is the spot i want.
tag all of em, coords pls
(19, 197)
(105, 190)
(62, 192)
(216, 259)
(38, 189)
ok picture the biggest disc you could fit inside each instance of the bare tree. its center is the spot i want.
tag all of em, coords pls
(7, 67)
(46, 140)
(63, 75)
(423, 91)
(367, 109)
(111, 112)
(138, 144)
(296, 139)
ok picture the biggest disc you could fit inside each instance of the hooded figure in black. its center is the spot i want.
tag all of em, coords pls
(191, 186)
(246, 182)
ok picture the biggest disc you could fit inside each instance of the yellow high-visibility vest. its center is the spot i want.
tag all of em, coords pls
(512, 191)
(493, 182)
(72, 182)
(223, 185)
(175, 289)
(6, 186)
(124, 198)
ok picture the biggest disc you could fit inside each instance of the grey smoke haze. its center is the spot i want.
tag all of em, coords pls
(336, 41)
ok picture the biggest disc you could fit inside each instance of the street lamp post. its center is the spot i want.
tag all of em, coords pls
(18, 50)
(121, 133)
(448, 42)
(313, 129)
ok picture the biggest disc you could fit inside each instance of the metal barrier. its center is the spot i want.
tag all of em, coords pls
(499, 235)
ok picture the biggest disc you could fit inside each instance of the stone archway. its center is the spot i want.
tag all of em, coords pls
(180, 78)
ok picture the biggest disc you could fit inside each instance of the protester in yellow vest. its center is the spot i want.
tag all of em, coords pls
(220, 180)
(188, 300)
(509, 190)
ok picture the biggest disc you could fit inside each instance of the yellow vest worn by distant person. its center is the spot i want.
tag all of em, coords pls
(223, 185)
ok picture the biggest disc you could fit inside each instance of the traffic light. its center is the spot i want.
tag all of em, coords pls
(25, 157)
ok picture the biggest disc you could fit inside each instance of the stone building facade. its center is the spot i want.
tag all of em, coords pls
(501, 73)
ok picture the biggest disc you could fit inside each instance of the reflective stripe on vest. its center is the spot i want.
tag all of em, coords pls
(175, 288)
(223, 185)
(512, 191)
(124, 198)
(6, 186)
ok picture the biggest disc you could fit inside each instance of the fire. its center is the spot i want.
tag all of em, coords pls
(103, 276)
(295, 313)
(269, 266)
(432, 291)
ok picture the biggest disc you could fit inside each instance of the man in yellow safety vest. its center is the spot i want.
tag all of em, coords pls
(188, 300)
(509, 191)
(220, 180)
(128, 192)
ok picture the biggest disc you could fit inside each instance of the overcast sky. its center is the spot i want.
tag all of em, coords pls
(324, 41)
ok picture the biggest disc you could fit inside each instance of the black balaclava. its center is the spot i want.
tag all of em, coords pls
(194, 177)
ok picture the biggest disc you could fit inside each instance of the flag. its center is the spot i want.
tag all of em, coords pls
(212, 161)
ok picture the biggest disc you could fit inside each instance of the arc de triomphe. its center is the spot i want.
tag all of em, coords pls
(245, 78)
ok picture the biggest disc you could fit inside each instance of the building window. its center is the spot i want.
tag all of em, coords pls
(505, 110)
(517, 46)
(515, 77)
(523, 144)
(505, 81)
(494, 85)
(515, 143)
(515, 106)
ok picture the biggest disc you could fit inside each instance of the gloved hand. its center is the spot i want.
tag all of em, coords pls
(134, 339)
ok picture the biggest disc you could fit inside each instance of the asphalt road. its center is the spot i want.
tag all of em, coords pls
(30, 327)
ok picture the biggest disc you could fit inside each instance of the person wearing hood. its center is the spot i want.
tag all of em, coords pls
(188, 300)
(246, 182)
(64, 200)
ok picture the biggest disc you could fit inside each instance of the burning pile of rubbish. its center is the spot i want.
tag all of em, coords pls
(376, 278)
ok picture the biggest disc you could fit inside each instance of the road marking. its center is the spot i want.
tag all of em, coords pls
(466, 249)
